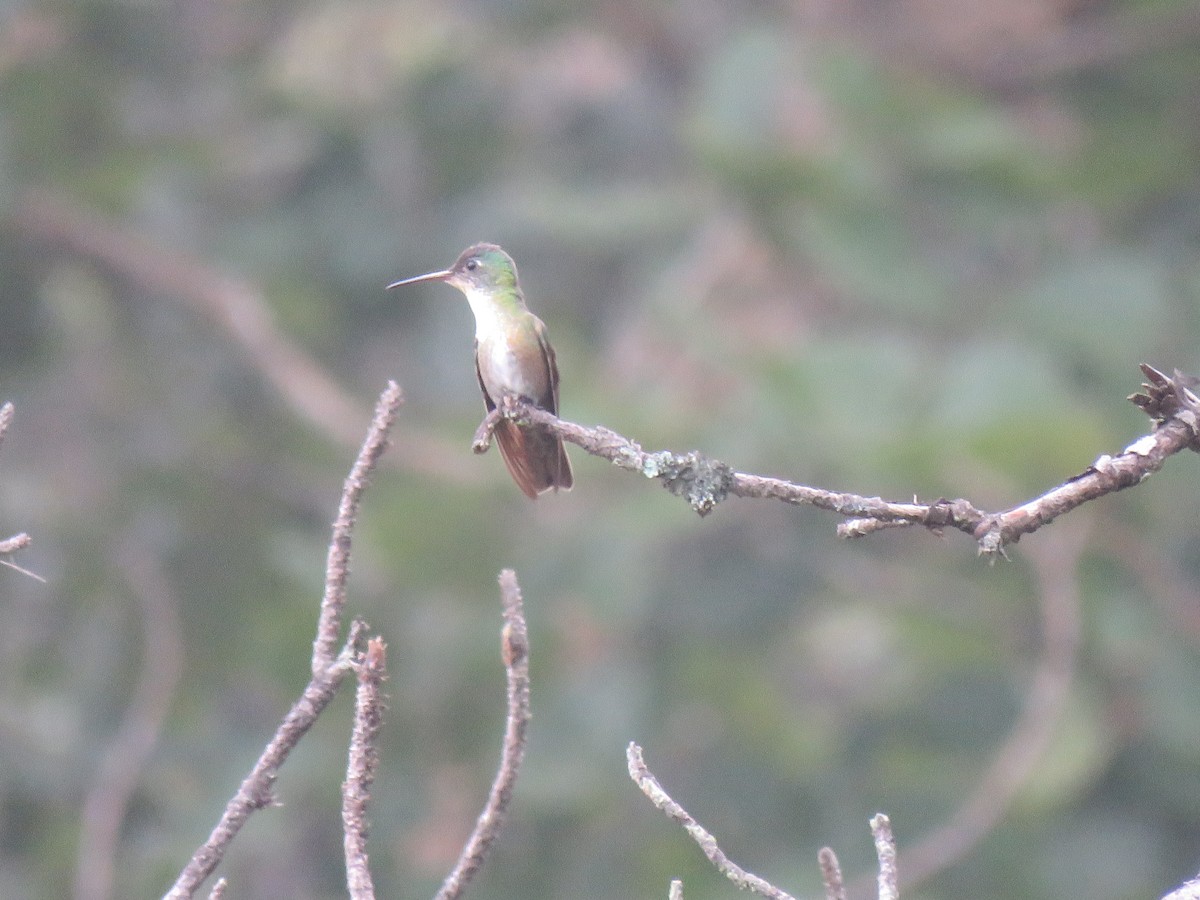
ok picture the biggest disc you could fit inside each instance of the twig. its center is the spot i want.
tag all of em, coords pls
(12, 545)
(705, 482)
(831, 874)
(124, 759)
(255, 791)
(337, 566)
(885, 852)
(487, 428)
(514, 651)
(649, 786)
(236, 306)
(218, 889)
(675, 891)
(17, 541)
(1189, 890)
(1055, 564)
(831, 871)
(9, 564)
(361, 767)
(6, 417)
(1173, 588)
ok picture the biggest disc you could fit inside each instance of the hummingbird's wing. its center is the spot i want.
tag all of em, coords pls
(549, 401)
(560, 470)
(536, 458)
(520, 448)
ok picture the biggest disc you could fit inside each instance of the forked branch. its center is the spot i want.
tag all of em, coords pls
(649, 785)
(831, 873)
(329, 670)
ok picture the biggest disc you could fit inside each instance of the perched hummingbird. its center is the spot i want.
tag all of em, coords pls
(513, 358)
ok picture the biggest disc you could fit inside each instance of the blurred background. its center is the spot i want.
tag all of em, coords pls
(900, 247)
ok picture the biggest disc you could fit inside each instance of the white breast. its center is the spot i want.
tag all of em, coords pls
(497, 364)
(488, 320)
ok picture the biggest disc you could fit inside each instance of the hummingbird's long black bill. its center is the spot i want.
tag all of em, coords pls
(431, 276)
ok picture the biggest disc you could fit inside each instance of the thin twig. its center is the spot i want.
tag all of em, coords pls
(6, 417)
(705, 482)
(649, 786)
(675, 891)
(9, 564)
(514, 651)
(12, 545)
(885, 852)
(124, 760)
(361, 767)
(337, 566)
(218, 889)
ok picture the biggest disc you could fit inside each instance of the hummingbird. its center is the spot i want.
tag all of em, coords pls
(513, 359)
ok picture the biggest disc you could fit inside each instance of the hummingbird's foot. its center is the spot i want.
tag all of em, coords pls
(510, 405)
(483, 434)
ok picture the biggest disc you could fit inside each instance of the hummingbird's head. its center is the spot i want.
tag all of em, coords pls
(483, 267)
(480, 269)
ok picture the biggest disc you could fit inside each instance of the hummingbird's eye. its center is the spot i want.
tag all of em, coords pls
(472, 265)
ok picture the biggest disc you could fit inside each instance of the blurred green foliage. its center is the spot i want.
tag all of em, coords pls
(907, 248)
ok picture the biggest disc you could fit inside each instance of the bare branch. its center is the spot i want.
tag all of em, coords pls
(17, 541)
(1173, 589)
(1165, 398)
(124, 759)
(337, 566)
(218, 889)
(1189, 890)
(9, 564)
(649, 786)
(6, 417)
(514, 650)
(362, 765)
(885, 852)
(831, 874)
(675, 892)
(1055, 565)
(255, 791)
(483, 434)
(236, 306)
(705, 482)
